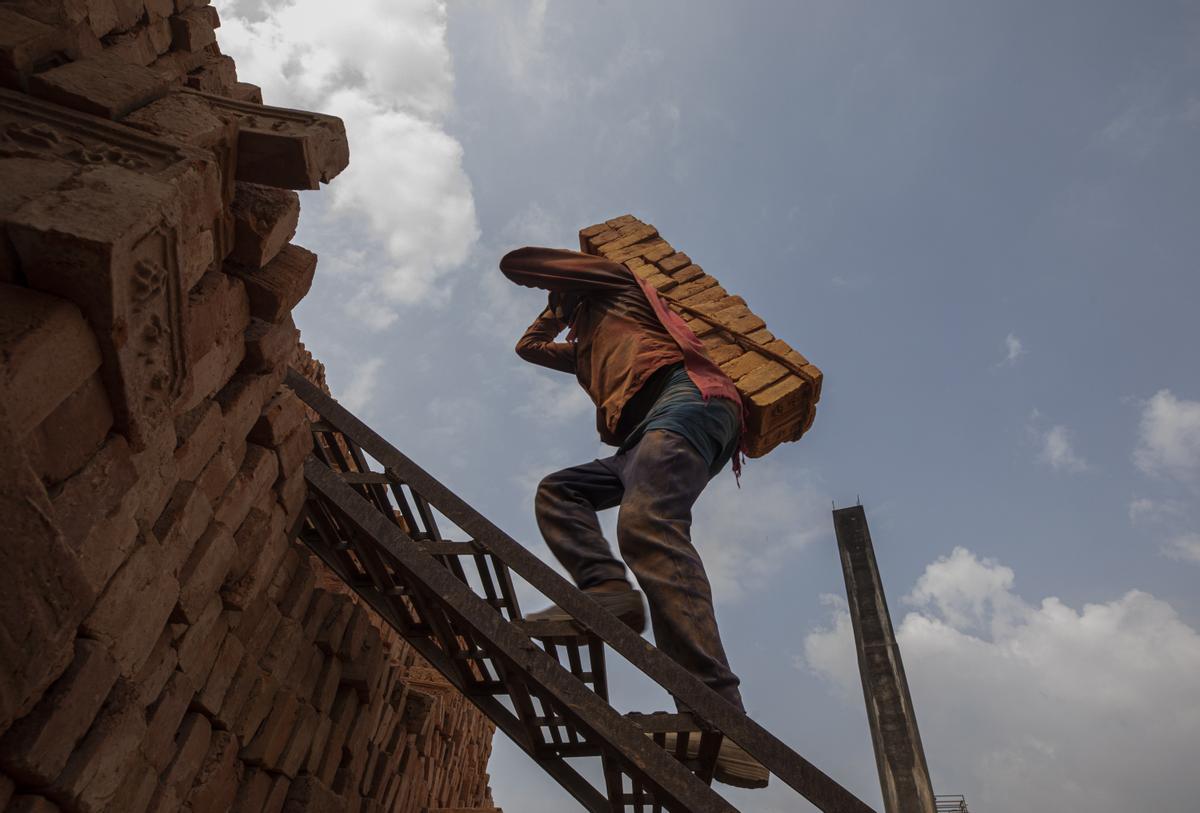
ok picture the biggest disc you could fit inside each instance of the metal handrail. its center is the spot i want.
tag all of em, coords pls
(950, 803)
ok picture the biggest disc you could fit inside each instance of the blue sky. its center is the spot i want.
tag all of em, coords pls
(978, 219)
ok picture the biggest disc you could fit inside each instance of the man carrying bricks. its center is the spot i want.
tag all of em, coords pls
(675, 419)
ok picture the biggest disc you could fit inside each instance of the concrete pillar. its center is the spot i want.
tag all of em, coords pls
(903, 773)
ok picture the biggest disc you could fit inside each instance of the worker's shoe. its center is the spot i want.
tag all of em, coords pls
(734, 766)
(625, 605)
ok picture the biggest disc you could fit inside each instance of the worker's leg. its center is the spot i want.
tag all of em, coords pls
(663, 475)
(566, 506)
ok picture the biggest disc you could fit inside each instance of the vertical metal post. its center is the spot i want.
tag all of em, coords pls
(903, 773)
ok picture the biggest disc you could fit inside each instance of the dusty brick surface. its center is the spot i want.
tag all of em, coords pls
(265, 221)
(162, 635)
(71, 434)
(182, 523)
(82, 498)
(98, 767)
(36, 748)
(104, 85)
(164, 717)
(269, 346)
(204, 571)
(133, 609)
(215, 785)
(48, 352)
(280, 285)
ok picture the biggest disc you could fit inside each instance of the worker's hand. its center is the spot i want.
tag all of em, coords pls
(562, 306)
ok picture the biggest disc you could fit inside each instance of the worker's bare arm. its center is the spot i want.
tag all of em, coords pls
(563, 271)
(537, 346)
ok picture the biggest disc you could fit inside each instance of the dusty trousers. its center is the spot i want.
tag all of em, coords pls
(655, 483)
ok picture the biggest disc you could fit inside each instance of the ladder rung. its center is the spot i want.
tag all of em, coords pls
(664, 721)
(551, 629)
(361, 477)
(448, 548)
(576, 749)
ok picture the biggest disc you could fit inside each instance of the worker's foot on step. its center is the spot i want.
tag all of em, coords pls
(734, 766)
(624, 604)
(737, 768)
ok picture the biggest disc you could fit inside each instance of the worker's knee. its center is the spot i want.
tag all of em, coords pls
(641, 518)
(550, 491)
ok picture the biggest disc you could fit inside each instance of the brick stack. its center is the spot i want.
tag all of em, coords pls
(164, 644)
(778, 385)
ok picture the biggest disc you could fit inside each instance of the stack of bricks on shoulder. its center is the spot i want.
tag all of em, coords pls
(779, 387)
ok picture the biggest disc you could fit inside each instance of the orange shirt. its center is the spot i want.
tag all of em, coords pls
(619, 336)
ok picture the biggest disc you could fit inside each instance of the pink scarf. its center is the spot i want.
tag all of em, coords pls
(707, 376)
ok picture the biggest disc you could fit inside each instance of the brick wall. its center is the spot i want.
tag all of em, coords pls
(164, 645)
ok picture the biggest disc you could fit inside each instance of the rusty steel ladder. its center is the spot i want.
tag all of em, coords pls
(544, 684)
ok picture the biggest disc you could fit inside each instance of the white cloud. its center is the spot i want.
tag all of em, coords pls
(965, 590)
(1057, 452)
(1169, 438)
(748, 536)
(552, 397)
(384, 67)
(1170, 518)
(1184, 547)
(1047, 707)
(1013, 349)
(364, 380)
(509, 308)
(1147, 511)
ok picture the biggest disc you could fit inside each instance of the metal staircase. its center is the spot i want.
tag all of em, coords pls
(544, 684)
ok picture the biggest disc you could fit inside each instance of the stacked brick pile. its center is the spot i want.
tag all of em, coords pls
(778, 385)
(164, 644)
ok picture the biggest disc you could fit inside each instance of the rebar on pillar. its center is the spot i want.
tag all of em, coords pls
(903, 772)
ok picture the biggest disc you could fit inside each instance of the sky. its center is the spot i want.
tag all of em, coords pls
(978, 219)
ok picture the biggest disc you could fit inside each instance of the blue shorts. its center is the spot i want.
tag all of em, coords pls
(711, 426)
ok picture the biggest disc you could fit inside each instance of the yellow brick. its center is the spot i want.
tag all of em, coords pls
(674, 262)
(603, 237)
(722, 353)
(617, 222)
(687, 273)
(760, 444)
(658, 252)
(782, 348)
(744, 364)
(770, 397)
(706, 295)
(661, 281)
(689, 289)
(635, 250)
(745, 325)
(698, 327)
(592, 231)
(762, 376)
(634, 235)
